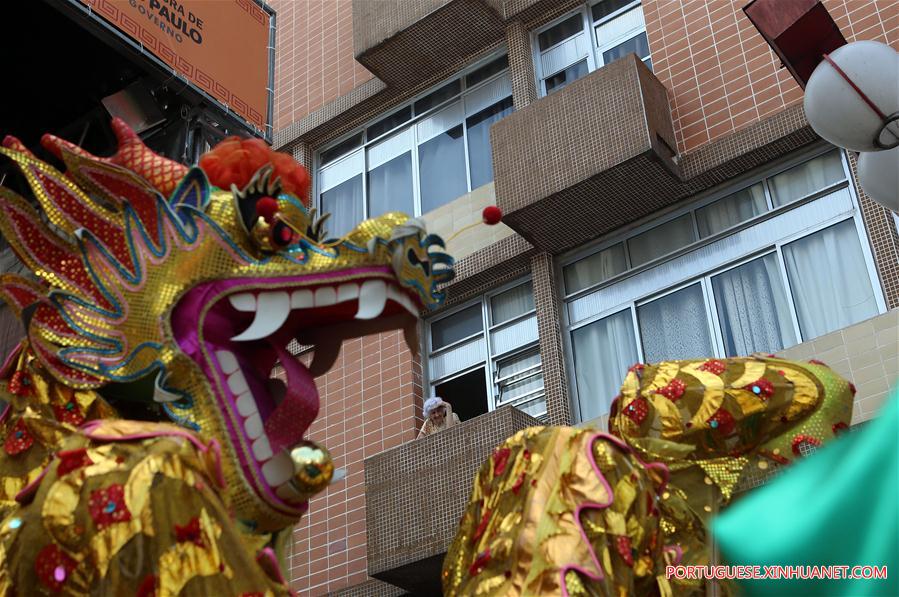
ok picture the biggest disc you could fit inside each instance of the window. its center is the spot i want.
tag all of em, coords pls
(587, 39)
(486, 354)
(419, 156)
(752, 270)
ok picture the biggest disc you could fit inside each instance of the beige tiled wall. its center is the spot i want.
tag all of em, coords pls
(866, 353)
(461, 212)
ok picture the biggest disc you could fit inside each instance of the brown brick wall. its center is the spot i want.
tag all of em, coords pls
(370, 402)
(314, 61)
(720, 73)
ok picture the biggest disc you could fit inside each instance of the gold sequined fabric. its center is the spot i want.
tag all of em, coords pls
(563, 511)
(129, 508)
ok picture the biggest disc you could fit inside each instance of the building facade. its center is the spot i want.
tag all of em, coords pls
(664, 197)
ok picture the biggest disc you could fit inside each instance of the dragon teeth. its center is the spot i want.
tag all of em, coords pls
(244, 301)
(253, 426)
(246, 406)
(237, 383)
(325, 296)
(272, 309)
(372, 298)
(261, 449)
(227, 361)
(278, 470)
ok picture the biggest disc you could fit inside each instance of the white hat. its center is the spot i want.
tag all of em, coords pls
(432, 404)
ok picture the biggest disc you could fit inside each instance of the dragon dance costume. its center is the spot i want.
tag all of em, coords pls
(167, 294)
(569, 511)
(147, 452)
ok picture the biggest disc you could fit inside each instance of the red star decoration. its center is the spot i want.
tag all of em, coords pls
(674, 390)
(107, 506)
(637, 410)
(21, 384)
(19, 439)
(53, 567)
(713, 366)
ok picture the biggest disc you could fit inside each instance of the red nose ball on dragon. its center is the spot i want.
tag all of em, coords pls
(147, 451)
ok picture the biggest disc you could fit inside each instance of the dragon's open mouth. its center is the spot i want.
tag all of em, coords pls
(238, 330)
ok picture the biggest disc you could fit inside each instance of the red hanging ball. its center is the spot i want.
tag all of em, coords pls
(492, 215)
(266, 207)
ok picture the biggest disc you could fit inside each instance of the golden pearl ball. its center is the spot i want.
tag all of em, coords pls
(312, 468)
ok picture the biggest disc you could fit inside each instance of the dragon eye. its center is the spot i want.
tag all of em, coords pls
(282, 235)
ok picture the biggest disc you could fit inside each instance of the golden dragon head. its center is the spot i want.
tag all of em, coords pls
(198, 278)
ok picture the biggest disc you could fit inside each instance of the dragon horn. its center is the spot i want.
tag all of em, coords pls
(162, 173)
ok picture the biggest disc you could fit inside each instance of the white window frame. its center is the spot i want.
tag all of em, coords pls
(489, 361)
(595, 48)
(356, 160)
(704, 275)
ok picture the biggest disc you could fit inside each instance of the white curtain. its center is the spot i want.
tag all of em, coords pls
(512, 303)
(675, 327)
(806, 178)
(753, 309)
(344, 203)
(594, 269)
(829, 279)
(603, 351)
(390, 187)
(731, 210)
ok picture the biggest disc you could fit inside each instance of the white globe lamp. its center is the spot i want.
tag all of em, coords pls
(878, 175)
(852, 97)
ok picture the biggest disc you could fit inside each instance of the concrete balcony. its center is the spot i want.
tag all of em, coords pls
(409, 41)
(587, 159)
(415, 495)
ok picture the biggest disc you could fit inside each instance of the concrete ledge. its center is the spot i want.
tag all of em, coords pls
(416, 493)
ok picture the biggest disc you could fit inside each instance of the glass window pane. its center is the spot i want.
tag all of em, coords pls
(563, 78)
(661, 240)
(512, 303)
(675, 327)
(594, 269)
(731, 210)
(329, 155)
(604, 9)
(487, 71)
(389, 123)
(441, 163)
(807, 178)
(637, 44)
(457, 326)
(480, 158)
(390, 187)
(603, 351)
(829, 280)
(752, 308)
(557, 33)
(438, 97)
(536, 407)
(344, 203)
(519, 377)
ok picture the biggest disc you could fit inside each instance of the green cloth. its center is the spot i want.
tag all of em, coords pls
(839, 506)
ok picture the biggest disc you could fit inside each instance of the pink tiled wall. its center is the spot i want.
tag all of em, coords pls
(313, 56)
(720, 73)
